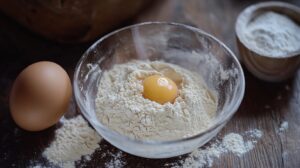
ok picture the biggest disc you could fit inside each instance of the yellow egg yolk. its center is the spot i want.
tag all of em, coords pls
(160, 89)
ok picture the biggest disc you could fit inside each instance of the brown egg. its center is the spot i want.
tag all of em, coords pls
(40, 96)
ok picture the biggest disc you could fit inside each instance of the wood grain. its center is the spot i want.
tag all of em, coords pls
(264, 107)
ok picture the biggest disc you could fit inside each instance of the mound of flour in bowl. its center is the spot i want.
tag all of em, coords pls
(121, 106)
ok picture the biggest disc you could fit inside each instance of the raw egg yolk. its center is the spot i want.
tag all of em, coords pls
(160, 89)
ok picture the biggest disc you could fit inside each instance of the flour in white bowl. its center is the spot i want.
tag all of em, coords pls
(121, 106)
(273, 34)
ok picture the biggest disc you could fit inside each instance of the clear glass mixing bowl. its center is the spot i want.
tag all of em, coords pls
(179, 44)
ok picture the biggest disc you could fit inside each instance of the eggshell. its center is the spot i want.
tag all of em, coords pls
(40, 96)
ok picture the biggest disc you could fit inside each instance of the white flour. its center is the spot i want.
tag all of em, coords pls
(66, 150)
(72, 141)
(232, 142)
(273, 34)
(116, 161)
(121, 106)
(283, 127)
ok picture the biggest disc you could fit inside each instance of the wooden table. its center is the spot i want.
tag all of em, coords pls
(265, 105)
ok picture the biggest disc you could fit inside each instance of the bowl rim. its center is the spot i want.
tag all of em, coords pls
(246, 15)
(229, 111)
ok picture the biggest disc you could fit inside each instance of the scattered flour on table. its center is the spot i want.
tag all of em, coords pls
(273, 34)
(35, 164)
(235, 143)
(121, 106)
(116, 161)
(283, 127)
(38, 166)
(255, 133)
(75, 139)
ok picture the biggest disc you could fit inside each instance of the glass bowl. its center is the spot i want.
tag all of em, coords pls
(174, 43)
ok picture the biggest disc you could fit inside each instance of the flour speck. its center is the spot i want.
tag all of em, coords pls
(283, 127)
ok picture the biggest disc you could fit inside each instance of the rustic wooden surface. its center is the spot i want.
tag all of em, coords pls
(264, 107)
